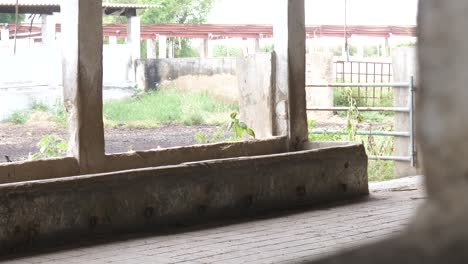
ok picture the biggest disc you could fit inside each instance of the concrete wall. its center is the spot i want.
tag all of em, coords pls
(117, 61)
(216, 75)
(36, 65)
(42, 65)
(53, 211)
(319, 70)
(56, 168)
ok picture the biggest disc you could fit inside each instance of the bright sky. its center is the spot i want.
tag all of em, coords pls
(360, 12)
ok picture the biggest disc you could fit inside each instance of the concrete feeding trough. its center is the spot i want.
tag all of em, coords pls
(44, 211)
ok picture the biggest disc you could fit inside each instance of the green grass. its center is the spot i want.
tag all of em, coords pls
(378, 170)
(167, 106)
(19, 117)
(55, 113)
(383, 97)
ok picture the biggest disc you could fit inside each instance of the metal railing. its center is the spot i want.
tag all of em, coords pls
(365, 72)
(411, 157)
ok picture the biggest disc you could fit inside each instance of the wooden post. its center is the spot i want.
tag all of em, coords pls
(290, 93)
(82, 81)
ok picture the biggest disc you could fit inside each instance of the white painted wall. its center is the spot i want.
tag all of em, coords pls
(36, 64)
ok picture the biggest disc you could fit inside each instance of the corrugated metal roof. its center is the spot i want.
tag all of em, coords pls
(58, 2)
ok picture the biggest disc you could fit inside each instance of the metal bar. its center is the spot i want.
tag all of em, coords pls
(363, 133)
(394, 158)
(391, 85)
(364, 109)
(412, 141)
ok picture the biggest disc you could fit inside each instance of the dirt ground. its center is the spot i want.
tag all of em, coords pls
(18, 141)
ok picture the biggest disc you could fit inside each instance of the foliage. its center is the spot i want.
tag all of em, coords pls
(378, 170)
(239, 128)
(167, 106)
(176, 11)
(10, 18)
(18, 117)
(218, 136)
(382, 97)
(267, 48)
(407, 44)
(372, 51)
(235, 127)
(50, 146)
(224, 51)
(171, 12)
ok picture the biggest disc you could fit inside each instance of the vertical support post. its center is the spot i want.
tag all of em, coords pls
(82, 81)
(257, 45)
(162, 40)
(134, 36)
(170, 50)
(386, 48)
(112, 40)
(207, 48)
(150, 49)
(412, 131)
(134, 42)
(4, 37)
(290, 67)
(48, 30)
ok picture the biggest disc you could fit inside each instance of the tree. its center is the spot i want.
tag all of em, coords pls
(10, 18)
(176, 11)
(173, 11)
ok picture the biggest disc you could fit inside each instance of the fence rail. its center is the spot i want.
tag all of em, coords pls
(410, 109)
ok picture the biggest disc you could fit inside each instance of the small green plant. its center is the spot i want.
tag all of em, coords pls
(218, 136)
(37, 105)
(235, 126)
(19, 117)
(50, 146)
(353, 116)
(239, 128)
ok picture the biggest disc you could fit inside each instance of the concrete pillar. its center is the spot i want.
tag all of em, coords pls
(290, 94)
(162, 41)
(150, 49)
(134, 42)
(207, 49)
(134, 36)
(82, 81)
(170, 49)
(112, 40)
(253, 46)
(319, 70)
(48, 30)
(386, 48)
(4, 37)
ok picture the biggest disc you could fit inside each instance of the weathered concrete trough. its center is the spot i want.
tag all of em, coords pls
(46, 211)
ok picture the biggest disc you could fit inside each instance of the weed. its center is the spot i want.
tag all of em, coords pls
(235, 127)
(239, 128)
(50, 146)
(19, 117)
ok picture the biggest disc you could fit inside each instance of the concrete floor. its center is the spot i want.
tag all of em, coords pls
(289, 237)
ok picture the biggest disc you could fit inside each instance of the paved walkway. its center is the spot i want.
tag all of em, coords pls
(288, 238)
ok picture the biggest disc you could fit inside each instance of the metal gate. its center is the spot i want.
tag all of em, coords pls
(411, 157)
